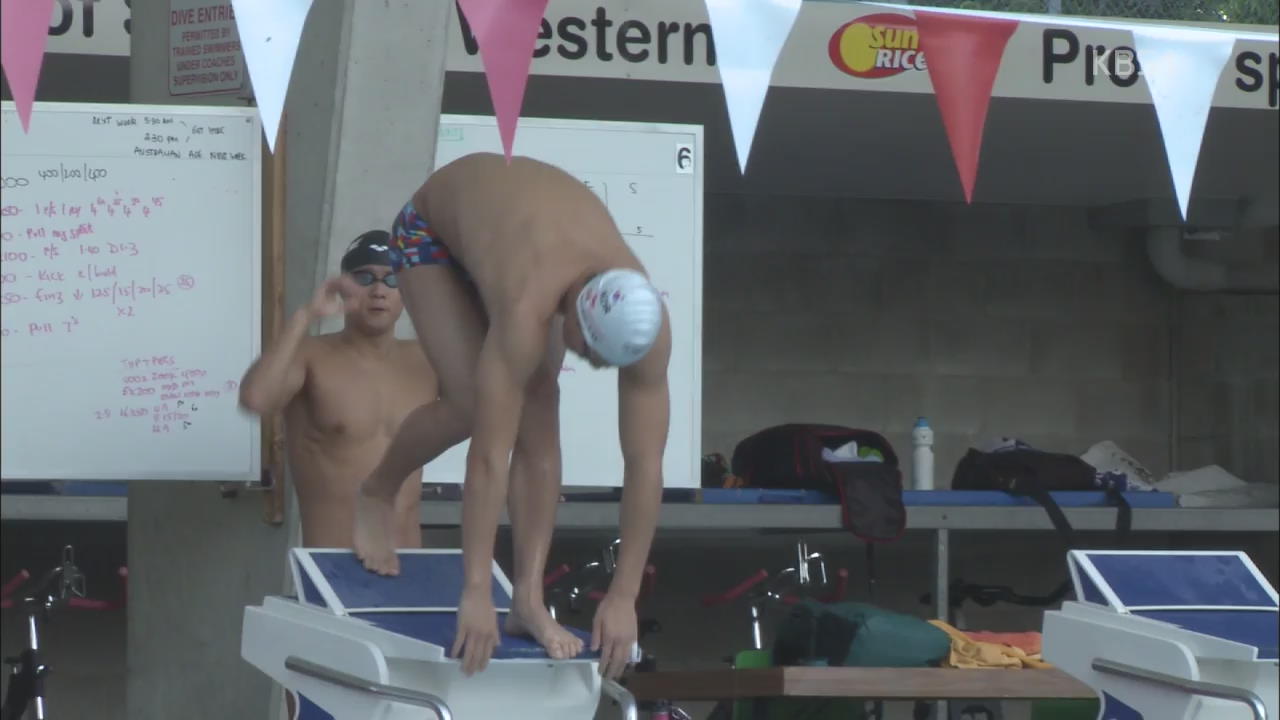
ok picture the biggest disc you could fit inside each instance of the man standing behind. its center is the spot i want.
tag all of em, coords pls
(344, 395)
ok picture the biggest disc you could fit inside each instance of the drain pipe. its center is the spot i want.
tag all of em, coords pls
(1164, 248)
(1188, 274)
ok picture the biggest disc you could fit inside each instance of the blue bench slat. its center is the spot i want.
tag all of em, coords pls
(934, 498)
(1069, 498)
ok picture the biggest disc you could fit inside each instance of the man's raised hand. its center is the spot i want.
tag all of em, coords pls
(328, 297)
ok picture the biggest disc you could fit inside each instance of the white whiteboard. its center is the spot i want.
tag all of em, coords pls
(132, 292)
(650, 177)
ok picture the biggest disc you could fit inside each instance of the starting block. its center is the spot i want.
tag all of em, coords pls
(361, 646)
(1177, 635)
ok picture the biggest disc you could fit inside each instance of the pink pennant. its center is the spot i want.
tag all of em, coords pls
(963, 54)
(24, 30)
(505, 30)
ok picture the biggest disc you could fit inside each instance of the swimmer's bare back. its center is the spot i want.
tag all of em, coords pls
(527, 222)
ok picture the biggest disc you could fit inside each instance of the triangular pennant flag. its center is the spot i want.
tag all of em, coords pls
(1182, 69)
(24, 31)
(963, 55)
(748, 35)
(269, 35)
(505, 31)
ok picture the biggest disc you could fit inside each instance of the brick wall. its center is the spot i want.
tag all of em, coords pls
(1229, 383)
(989, 320)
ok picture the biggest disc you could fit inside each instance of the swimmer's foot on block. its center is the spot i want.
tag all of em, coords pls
(372, 535)
(531, 619)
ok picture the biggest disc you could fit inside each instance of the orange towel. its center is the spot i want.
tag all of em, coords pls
(968, 652)
(1027, 642)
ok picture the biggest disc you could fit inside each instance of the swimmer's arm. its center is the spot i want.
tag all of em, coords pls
(644, 410)
(277, 376)
(510, 355)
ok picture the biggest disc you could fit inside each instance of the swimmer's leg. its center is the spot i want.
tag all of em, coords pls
(532, 497)
(450, 325)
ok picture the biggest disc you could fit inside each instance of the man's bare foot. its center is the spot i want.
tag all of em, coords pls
(372, 536)
(533, 620)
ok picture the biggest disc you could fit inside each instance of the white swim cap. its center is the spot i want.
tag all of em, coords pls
(620, 314)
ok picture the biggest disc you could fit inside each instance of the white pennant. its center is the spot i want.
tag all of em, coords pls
(269, 35)
(748, 36)
(1182, 69)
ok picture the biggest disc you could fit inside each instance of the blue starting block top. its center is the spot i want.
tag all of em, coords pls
(421, 602)
(440, 629)
(428, 580)
(1220, 594)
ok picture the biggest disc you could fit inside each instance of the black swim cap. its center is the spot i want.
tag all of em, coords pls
(371, 248)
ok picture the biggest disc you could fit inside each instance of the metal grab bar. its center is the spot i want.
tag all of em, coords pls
(626, 701)
(1195, 687)
(351, 682)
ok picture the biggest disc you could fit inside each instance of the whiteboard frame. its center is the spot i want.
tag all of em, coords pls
(698, 133)
(254, 471)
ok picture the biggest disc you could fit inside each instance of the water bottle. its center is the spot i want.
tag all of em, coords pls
(922, 455)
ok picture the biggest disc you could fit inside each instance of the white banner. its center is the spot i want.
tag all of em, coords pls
(859, 46)
(671, 40)
(89, 27)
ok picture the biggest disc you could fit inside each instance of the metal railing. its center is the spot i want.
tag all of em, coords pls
(408, 696)
(1195, 687)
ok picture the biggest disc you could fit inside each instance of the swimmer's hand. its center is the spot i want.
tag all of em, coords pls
(328, 298)
(477, 630)
(614, 633)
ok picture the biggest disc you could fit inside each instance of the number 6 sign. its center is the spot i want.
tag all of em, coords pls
(684, 158)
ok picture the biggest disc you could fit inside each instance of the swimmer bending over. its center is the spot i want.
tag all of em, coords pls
(502, 267)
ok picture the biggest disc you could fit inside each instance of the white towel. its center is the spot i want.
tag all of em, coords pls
(845, 453)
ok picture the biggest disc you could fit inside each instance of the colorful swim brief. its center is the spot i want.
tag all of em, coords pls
(415, 243)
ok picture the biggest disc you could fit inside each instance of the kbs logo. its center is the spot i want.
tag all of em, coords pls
(877, 46)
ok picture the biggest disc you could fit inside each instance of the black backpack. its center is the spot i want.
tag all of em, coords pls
(1030, 473)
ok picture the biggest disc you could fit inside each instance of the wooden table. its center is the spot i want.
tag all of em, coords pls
(870, 683)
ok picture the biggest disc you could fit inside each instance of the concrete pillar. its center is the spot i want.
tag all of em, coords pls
(383, 133)
(361, 125)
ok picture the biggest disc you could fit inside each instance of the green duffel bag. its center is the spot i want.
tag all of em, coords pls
(853, 634)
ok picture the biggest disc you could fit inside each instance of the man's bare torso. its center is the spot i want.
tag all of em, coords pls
(524, 230)
(340, 424)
